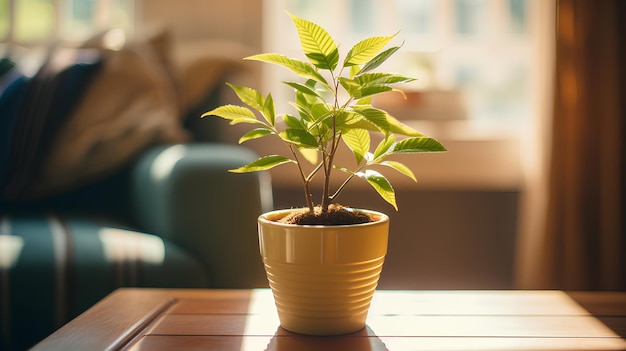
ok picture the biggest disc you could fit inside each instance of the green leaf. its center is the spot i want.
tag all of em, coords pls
(348, 119)
(263, 163)
(249, 96)
(378, 78)
(317, 44)
(303, 88)
(365, 101)
(311, 155)
(269, 111)
(418, 144)
(236, 114)
(351, 86)
(299, 137)
(301, 104)
(385, 147)
(320, 112)
(311, 83)
(303, 110)
(359, 91)
(378, 59)
(398, 127)
(359, 121)
(303, 69)
(373, 115)
(373, 90)
(255, 134)
(357, 140)
(354, 70)
(381, 185)
(293, 122)
(400, 167)
(365, 50)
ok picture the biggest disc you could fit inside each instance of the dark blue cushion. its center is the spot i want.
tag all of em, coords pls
(13, 90)
(33, 110)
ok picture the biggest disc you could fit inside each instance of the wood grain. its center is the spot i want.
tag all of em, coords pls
(158, 319)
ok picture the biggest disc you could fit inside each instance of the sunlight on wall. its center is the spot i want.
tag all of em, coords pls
(124, 245)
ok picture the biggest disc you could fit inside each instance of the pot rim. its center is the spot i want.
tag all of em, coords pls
(264, 219)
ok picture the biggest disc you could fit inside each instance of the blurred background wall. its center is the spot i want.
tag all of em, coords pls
(456, 228)
(491, 86)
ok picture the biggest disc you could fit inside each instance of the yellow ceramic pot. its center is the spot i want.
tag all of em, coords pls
(323, 277)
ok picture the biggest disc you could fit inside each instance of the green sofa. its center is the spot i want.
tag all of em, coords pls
(188, 223)
(108, 180)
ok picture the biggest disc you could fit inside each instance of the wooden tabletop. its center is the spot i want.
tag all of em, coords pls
(161, 319)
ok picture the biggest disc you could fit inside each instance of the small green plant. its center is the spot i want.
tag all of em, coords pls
(333, 105)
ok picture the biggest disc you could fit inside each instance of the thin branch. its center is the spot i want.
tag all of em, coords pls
(305, 180)
(343, 185)
(314, 171)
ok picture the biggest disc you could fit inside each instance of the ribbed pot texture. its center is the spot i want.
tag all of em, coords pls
(323, 277)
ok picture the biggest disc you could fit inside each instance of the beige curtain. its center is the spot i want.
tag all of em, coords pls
(579, 242)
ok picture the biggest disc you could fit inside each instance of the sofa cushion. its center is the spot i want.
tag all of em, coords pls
(86, 114)
(130, 105)
(54, 268)
(13, 90)
(34, 108)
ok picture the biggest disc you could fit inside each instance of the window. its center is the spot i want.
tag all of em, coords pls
(474, 50)
(479, 67)
(32, 22)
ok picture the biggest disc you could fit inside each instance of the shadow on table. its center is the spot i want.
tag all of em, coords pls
(363, 340)
(607, 307)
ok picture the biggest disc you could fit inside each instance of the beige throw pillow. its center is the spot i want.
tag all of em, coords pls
(131, 104)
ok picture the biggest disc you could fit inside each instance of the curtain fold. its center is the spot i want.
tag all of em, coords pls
(583, 244)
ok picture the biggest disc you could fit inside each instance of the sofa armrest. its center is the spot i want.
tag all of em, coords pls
(185, 193)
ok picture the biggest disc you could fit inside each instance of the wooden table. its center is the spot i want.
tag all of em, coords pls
(157, 319)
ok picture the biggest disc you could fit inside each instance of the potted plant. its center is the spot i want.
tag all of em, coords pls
(323, 261)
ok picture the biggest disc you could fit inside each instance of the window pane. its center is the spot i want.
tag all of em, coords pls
(82, 18)
(471, 16)
(363, 18)
(305, 6)
(34, 20)
(417, 16)
(78, 19)
(468, 47)
(517, 12)
(311, 10)
(467, 76)
(82, 10)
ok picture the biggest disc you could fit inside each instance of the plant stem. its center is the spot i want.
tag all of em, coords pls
(343, 185)
(328, 166)
(305, 181)
(329, 156)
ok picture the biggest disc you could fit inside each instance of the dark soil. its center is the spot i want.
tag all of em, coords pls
(336, 215)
